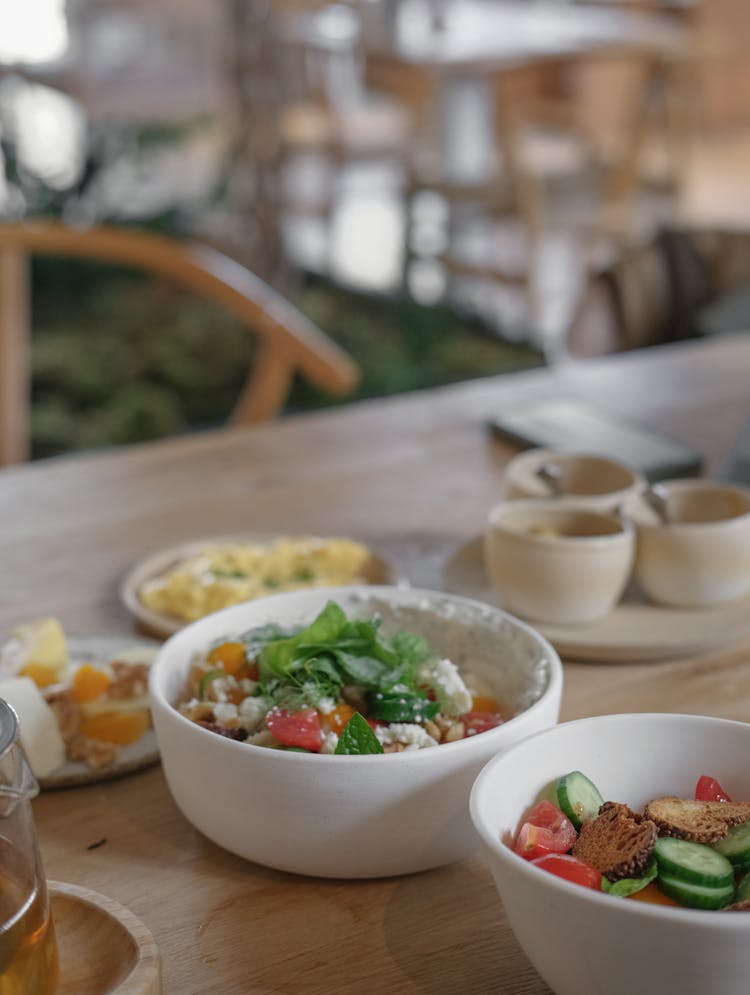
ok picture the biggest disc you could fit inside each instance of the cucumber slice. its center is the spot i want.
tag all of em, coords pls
(736, 845)
(578, 797)
(693, 863)
(742, 893)
(696, 896)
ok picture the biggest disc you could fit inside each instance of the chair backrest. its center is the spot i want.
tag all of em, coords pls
(288, 342)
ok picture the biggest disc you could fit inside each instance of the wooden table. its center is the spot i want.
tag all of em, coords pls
(418, 473)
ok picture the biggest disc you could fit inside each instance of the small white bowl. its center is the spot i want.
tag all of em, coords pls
(586, 480)
(583, 941)
(552, 562)
(701, 557)
(351, 816)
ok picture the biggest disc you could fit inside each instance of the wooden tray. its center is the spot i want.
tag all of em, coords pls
(103, 947)
(634, 631)
(381, 571)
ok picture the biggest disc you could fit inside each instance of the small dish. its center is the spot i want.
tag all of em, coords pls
(103, 948)
(586, 480)
(557, 563)
(97, 651)
(700, 557)
(379, 569)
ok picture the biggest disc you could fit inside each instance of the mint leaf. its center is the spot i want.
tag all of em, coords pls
(358, 738)
(629, 886)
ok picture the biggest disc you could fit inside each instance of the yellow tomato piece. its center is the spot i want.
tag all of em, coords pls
(337, 719)
(41, 674)
(484, 704)
(654, 896)
(229, 656)
(89, 683)
(120, 728)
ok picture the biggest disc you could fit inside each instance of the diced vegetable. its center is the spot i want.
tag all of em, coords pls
(545, 830)
(696, 896)
(476, 722)
(296, 728)
(695, 863)
(571, 869)
(708, 789)
(578, 797)
(230, 656)
(736, 846)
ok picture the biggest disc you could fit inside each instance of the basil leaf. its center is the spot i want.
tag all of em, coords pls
(358, 738)
(629, 886)
(410, 647)
(363, 670)
(282, 655)
(401, 707)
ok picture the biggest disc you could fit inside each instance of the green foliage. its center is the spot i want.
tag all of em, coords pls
(118, 357)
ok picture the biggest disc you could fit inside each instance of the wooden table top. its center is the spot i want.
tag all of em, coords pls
(418, 473)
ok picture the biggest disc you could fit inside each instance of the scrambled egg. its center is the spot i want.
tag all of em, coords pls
(220, 576)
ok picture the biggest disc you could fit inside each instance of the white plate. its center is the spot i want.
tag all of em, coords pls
(98, 651)
(635, 630)
(381, 571)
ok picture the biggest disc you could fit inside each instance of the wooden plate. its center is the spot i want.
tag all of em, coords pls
(381, 570)
(99, 650)
(103, 947)
(634, 630)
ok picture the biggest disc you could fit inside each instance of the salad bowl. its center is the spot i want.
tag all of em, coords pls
(351, 816)
(584, 940)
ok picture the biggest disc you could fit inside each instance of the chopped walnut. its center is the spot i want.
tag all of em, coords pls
(129, 680)
(67, 712)
(94, 752)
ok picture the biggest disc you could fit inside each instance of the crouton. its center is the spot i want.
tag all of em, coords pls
(618, 843)
(699, 822)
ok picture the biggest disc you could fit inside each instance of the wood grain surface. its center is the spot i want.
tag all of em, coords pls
(418, 474)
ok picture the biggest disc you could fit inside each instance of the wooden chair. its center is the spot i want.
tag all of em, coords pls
(289, 342)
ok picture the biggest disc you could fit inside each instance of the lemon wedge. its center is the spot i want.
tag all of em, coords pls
(36, 649)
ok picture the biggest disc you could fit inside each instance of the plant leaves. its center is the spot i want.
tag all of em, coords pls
(402, 706)
(629, 886)
(357, 738)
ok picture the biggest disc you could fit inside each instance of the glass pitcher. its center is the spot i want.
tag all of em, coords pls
(28, 949)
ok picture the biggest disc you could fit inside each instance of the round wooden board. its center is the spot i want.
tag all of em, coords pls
(634, 631)
(103, 947)
(381, 570)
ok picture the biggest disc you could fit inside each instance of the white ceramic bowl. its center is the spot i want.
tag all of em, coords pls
(552, 562)
(701, 557)
(582, 941)
(351, 816)
(587, 480)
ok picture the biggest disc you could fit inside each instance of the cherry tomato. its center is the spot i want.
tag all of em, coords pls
(708, 789)
(476, 722)
(571, 869)
(296, 728)
(546, 830)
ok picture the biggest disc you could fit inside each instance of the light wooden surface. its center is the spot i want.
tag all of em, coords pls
(418, 473)
(103, 948)
(287, 341)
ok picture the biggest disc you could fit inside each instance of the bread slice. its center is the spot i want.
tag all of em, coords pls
(699, 822)
(618, 843)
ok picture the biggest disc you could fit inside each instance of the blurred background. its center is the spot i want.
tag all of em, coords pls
(447, 188)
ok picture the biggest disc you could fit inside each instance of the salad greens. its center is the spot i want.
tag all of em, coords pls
(358, 737)
(303, 667)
